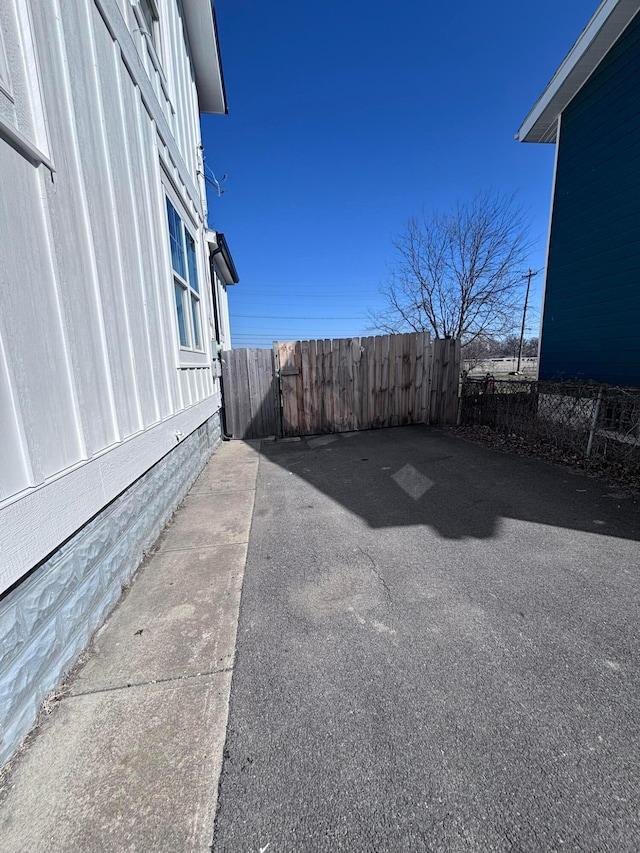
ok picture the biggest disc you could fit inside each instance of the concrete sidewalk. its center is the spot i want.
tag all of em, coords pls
(129, 759)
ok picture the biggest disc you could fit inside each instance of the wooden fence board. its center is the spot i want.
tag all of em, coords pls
(406, 387)
(320, 379)
(366, 364)
(288, 376)
(304, 402)
(354, 367)
(412, 379)
(394, 343)
(377, 383)
(423, 365)
(327, 391)
(277, 394)
(314, 390)
(301, 413)
(340, 383)
(244, 403)
(400, 379)
(385, 348)
(370, 354)
(254, 412)
(445, 373)
(396, 399)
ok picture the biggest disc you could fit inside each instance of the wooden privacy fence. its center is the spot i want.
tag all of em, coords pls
(324, 386)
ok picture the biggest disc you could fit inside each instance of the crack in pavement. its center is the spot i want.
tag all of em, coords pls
(69, 695)
(377, 574)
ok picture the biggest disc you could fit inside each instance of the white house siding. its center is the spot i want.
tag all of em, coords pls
(90, 352)
(95, 392)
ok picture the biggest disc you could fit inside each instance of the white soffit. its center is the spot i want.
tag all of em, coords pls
(603, 30)
(202, 32)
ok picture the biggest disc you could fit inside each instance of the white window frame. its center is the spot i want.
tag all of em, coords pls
(31, 143)
(150, 29)
(187, 283)
(221, 306)
(5, 77)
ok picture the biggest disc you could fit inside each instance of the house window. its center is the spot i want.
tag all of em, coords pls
(149, 21)
(186, 287)
(5, 83)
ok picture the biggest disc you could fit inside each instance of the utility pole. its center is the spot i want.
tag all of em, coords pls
(528, 277)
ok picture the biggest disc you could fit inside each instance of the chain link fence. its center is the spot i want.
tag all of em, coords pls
(597, 424)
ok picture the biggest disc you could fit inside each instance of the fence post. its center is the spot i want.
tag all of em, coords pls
(277, 387)
(594, 423)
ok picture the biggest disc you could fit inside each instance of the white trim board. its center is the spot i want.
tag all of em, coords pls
(546, 257)
(603, 30)
(35, 524)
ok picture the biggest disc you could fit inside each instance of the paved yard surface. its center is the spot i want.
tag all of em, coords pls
(438, 649)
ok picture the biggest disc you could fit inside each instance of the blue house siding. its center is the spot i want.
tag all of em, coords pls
(591, 327)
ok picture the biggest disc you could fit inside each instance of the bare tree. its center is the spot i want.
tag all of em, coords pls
(459, 273)
(476, 351)
(509, 347)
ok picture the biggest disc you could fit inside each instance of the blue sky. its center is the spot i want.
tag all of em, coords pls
(345, 118)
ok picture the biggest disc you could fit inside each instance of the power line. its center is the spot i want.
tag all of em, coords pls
(280, 317)
(267, 330)
(304, 292)
(297, 336)
(240, 328)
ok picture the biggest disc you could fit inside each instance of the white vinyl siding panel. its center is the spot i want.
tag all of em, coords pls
(15, 466)
(176, 40)
(143, 167)
(164, 69)
(31, 325)
(196, 385)
(182, 86)
(75, 263)
(91, 130)
(125, 236)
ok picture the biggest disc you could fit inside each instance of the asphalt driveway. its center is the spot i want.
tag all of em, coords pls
(438, 649)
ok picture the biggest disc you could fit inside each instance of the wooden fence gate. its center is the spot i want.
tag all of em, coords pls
(251, 393)
(325, 386)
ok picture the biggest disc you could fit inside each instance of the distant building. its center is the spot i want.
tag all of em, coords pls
(591, 110)
(113, 309)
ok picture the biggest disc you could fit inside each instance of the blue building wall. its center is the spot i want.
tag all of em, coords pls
(591, 327)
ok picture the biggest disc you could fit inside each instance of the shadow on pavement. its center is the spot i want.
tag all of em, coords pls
(421, 475)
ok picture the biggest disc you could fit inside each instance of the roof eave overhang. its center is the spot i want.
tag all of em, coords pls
(603, 30)
(221, 256)
(202, 32)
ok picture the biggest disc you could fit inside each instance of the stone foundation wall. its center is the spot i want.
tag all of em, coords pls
(49, 618)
